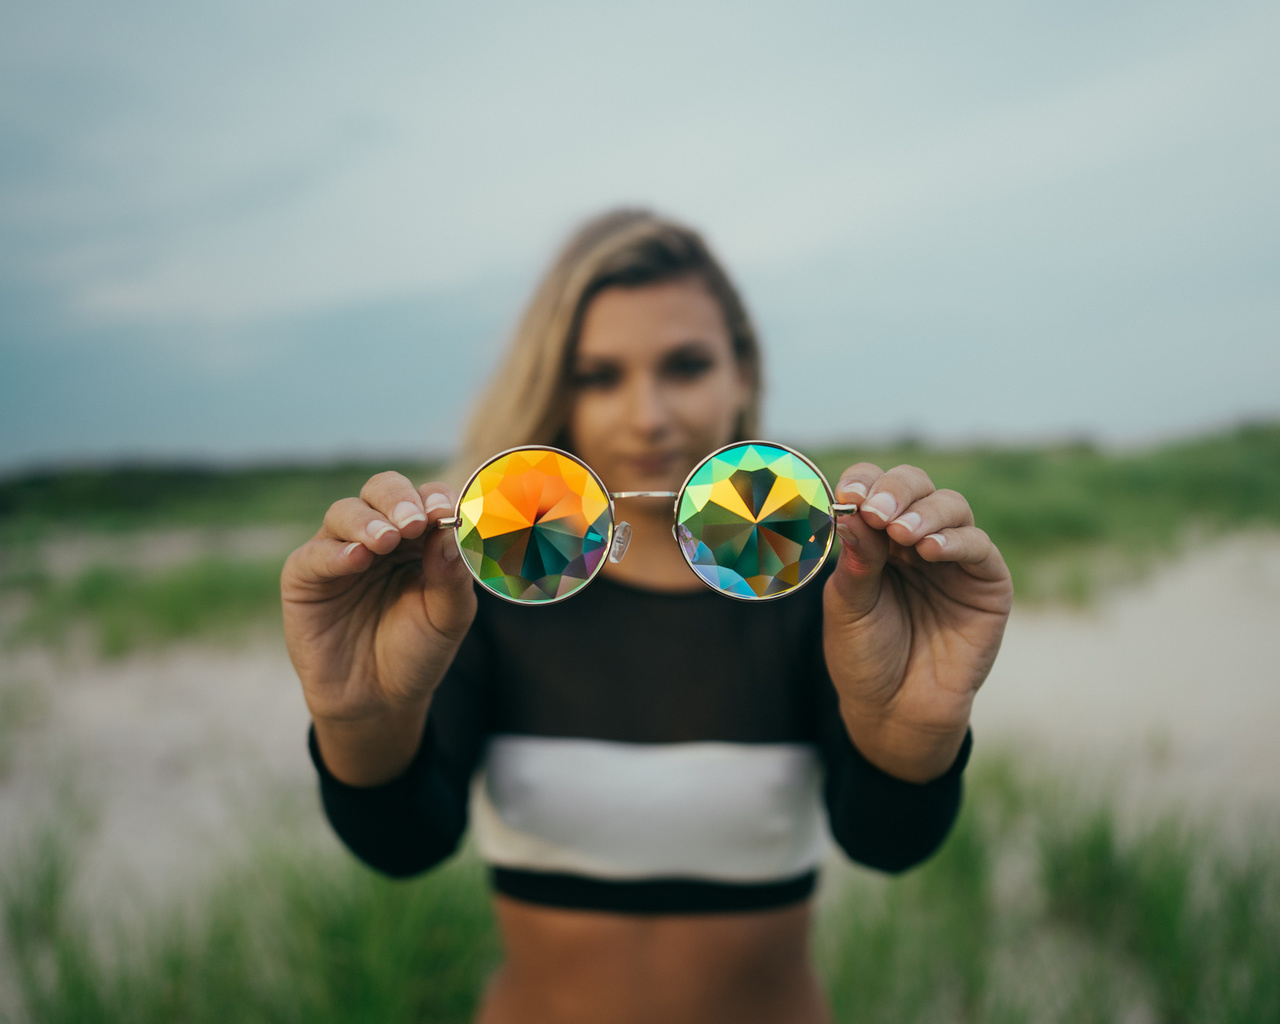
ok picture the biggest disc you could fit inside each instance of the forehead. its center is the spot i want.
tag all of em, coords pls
(634, 322)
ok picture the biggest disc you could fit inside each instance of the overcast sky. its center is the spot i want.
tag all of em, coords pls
(276, 229)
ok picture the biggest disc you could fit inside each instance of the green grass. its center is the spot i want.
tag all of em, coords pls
(1201, 928)
(136, 498)
(22, 703)
(126, 610)
(1069, 519)
(1033, 500)
(1041, 907)
(288, 938)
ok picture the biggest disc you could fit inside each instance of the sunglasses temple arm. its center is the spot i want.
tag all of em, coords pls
(449, 522)
(843, 509)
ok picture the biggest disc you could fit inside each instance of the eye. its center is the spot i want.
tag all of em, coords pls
(596, 378)
(687, 365)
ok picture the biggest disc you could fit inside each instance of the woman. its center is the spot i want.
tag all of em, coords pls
(651, 757)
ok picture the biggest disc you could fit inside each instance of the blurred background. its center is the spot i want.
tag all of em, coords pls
(251, 253)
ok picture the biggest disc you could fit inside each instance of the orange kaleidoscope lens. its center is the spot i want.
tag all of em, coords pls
(754, 520)
(534, 525)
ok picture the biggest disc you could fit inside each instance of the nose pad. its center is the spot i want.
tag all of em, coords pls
(621, 541)
(687, 541)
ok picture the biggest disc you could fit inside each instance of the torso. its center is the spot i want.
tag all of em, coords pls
(608, 721)
(587, 967)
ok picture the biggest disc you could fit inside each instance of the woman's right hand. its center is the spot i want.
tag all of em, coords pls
(375, 606)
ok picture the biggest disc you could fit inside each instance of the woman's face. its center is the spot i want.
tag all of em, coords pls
(656, 383)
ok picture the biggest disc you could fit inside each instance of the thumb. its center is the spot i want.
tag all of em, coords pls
(864, 552)
(447, 592)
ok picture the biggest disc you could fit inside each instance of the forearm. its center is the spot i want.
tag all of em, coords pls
(402, 826)
(881, 820)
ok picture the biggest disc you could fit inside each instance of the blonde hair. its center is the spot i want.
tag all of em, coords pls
(529, 397)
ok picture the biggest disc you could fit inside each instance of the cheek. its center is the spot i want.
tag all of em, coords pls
(715, 406)
(589, 418)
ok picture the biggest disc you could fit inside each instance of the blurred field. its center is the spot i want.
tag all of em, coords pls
(1072, 518)
(1069, 520)
(1041, 907)
(1045, 905)
(287, 937)
(131, 498)
(151, 731)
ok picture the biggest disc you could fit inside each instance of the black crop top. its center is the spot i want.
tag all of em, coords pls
(643, 752)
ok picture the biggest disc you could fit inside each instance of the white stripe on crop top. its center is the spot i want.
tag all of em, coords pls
(726, 812)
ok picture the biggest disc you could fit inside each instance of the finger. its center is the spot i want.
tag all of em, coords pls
(438, 500)
(322, 560)
(447, 592)
(351, 519)
(441, 548)
(862, 535)
(893, 493)
(856, 482)
(440, 554)
(940, 510)
(863, 555)
(398, 501)
(968, 546)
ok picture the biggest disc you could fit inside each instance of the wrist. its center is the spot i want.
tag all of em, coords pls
(907, 751)
(371, 749)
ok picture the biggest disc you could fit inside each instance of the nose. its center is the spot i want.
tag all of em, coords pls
(648, 411)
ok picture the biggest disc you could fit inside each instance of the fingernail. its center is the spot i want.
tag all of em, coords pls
(436, 500)
(450, 550)
(347, 551)
(882, 505)
(846, 534)
(852, 489)
(377, 528)
(942, 541)
(407, 512)
(911, 521)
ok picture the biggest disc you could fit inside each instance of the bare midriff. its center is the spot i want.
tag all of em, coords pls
(587, 967)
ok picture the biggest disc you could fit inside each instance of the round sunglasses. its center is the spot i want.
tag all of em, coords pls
(754, 521)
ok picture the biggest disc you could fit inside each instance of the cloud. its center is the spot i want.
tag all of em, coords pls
(380, 154)
(212, 188)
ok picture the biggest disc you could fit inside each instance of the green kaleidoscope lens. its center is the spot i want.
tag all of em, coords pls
(754, 520)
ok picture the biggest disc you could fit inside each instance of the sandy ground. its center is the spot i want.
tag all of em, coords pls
(153, 550)
(173, 760)
(1168, 690)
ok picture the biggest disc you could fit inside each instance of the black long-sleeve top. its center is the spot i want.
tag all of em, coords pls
(639, 751)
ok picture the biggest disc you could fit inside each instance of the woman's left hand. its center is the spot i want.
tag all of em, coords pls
(913, 617)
